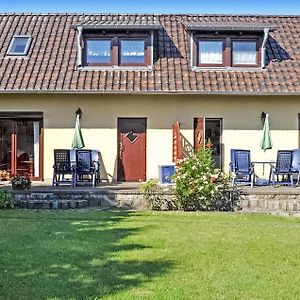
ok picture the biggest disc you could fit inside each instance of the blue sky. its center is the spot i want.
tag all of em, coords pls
(154, 6)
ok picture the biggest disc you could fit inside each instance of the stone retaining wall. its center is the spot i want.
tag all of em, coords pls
(270, 203)
(267, 203)
(71, 200)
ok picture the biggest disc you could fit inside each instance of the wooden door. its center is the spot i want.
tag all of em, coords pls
(132, 149)
(199, 133)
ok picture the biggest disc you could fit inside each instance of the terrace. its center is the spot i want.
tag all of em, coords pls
(125, 195)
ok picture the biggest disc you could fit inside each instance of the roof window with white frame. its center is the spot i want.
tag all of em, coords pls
(19, 45)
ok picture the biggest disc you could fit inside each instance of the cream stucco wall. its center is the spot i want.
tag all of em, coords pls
(241, 122)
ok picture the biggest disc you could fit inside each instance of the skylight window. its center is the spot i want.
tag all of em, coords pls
(19, 45)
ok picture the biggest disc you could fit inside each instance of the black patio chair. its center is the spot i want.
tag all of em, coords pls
(241, 167)
(96, 162)
(282, 168)
(62, 167)
(85, 170)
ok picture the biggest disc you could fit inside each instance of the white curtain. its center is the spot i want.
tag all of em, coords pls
(244, 53)
(36, 148)
(98, 48)
(210, 52)
(132, 48)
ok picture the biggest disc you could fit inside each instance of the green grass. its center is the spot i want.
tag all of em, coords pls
(148, 255)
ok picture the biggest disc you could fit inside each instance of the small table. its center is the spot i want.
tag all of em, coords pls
(269, 162)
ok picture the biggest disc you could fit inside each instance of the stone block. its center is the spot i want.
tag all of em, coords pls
(75, 196)
(30, 204)
(41, 196)
(46, 205)
(38, 204)
(54, 205)
(81, 203)
(19, 197)
(275, 205)
(294, 206)
(94, 202)
(64, 204)
(253, 202)
(72, 204)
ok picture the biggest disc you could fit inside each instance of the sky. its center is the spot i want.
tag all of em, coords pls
(154, 6)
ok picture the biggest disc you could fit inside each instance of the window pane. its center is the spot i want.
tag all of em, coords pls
(98, 51)
(244, 53)
(132, 51)
(19, 45)
(210, 52)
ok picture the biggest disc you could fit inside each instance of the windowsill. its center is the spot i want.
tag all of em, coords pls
(15, 56)
(249, 69)
(115, 68)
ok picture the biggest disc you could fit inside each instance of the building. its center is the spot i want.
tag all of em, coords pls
(137, 79)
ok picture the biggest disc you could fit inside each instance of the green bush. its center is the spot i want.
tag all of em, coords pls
(158, 197)
(199, 186)
(6, 200)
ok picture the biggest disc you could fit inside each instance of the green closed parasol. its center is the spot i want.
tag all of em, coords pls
(266, 141)
(78, 142)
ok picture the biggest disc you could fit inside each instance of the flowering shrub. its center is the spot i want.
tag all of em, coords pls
(199, 186)
(156, 196)
(20, 183)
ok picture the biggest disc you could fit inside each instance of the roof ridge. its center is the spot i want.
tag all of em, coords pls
(148, 14)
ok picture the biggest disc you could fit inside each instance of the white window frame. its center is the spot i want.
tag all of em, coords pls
(24, 53)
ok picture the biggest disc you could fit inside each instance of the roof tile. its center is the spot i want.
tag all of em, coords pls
(51, 64)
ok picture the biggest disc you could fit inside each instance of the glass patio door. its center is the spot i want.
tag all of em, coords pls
(19, 148)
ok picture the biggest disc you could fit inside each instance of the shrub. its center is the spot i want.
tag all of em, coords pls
(20, 183)
(6, 200)
(199, 186)
(157, 197)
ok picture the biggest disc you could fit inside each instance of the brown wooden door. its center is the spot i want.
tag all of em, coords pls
(199, 133)
(132, 149)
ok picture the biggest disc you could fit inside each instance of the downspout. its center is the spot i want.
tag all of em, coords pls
(191, 49)
(79, 46)
(263, 48)
(152, 47)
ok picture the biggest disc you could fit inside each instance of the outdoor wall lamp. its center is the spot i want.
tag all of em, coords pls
(263, 117)
(78, 112)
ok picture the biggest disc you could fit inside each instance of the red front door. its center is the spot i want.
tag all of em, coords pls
(132, 149)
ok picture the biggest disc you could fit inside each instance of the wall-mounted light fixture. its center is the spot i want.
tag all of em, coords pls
(263, 118)
(78, 112)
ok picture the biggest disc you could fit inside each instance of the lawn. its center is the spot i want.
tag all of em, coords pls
(148, 255)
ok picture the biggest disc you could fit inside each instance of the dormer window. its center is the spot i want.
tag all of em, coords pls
(19, 45)
(228, 45)
(226, 51)
(116, 49)
(125, 43)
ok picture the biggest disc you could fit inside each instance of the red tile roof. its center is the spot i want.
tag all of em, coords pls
(51, 64)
